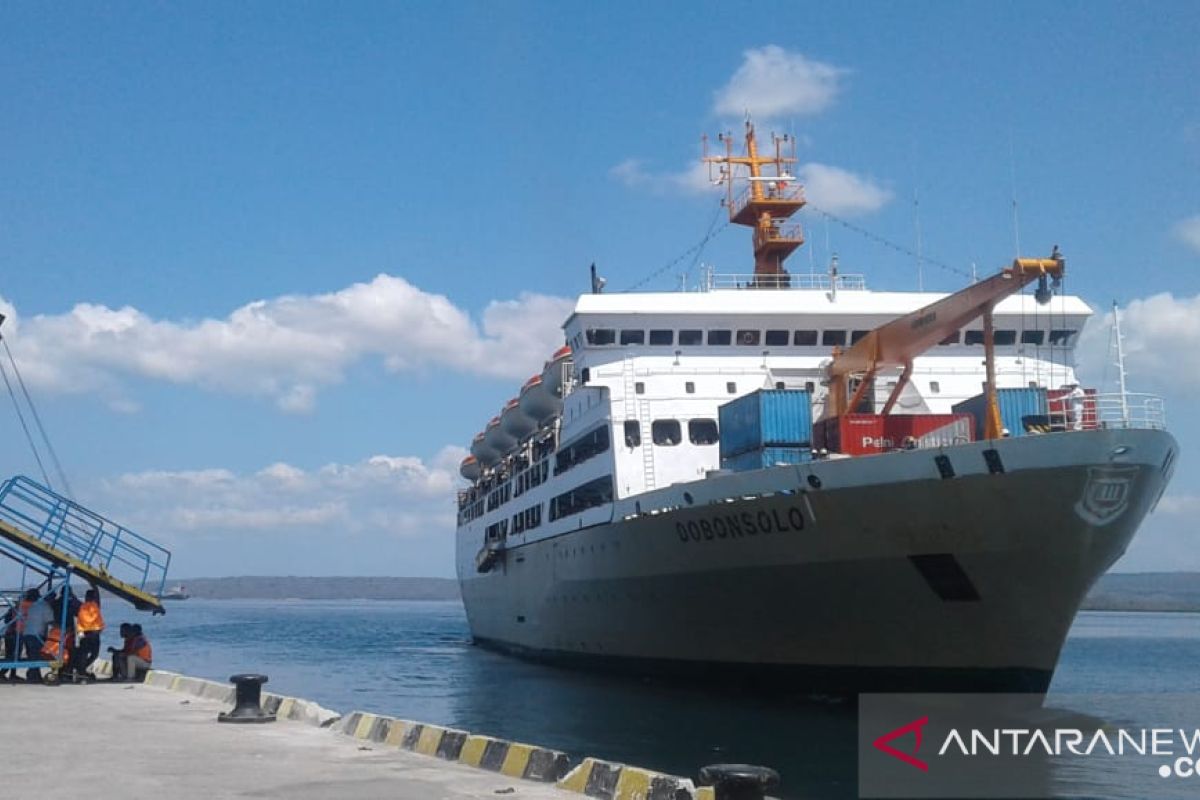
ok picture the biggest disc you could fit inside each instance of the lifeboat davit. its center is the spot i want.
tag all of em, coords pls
(552, 373)
(536, 403)
(484, 453)
(494, 436)
(514, 422)
(470, 469)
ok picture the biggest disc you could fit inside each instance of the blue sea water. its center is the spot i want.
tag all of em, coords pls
(415, 660)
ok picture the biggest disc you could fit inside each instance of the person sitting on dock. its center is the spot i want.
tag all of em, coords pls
(135, 656)
(89, 622)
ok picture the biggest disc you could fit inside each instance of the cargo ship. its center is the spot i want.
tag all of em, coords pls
(791, 478)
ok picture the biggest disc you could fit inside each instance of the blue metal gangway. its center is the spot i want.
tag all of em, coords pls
(45, 532)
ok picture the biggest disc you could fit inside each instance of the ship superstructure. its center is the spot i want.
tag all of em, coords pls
(606, 520)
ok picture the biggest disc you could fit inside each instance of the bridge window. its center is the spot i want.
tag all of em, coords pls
(662, 337)
(720, 337)
(973, 337)
(691, 337)
(748, 338)
(633, 433)
(588, 495)
(856, 335)
(777, 338)
(1062, 337)
(666, 432)
(951, 339)
(935, 387)
(639, 388)
(590, 444)
(702, 431)
(731, 388)
(833, 338)
(689, 387)
(805, 339)
(633, 337)
(810, 387)
(1033, 337)
(601, 336)
(1004, 338)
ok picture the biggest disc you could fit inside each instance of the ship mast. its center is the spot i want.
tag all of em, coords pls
(765, 204)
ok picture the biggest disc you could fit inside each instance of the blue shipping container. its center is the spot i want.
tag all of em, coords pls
(1015, 405)
(766, 418)
(766, 457)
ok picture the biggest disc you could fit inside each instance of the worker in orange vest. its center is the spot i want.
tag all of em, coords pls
(134, 656)
(56, 646)
(89, 622)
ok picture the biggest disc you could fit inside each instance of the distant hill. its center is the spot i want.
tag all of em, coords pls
(1146, 591)
(277, 587)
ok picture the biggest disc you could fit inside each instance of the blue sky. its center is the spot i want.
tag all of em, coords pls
(269, 265)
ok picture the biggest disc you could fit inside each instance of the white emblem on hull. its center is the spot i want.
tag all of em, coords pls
(1106, 494)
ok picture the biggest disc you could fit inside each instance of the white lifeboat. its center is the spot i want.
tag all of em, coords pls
(470, 469)
(536, 403)
(495, 436)
(484, 453)
(514, 422)
(552, 373)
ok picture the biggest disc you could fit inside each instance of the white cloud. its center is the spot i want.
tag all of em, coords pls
(381, 495)
(840, 191)
(285, 348)
(1161, 336)
(772, 82)
(1188, 232)
(634, 173)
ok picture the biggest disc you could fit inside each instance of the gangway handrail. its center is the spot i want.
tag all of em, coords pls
(61, 532)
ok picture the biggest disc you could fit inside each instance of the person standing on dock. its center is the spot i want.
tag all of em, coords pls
(9, 626)
(89, 622)
(33, 626)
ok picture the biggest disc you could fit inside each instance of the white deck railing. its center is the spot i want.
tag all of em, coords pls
(795, 280)
(1130, 410)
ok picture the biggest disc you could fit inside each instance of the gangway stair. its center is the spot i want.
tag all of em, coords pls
(47, 533)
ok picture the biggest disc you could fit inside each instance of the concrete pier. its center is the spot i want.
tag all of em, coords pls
(123, 740)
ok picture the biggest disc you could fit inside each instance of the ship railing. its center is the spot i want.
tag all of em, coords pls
(797, 280)
(68, 529)
(791, 191)
(1127, 410)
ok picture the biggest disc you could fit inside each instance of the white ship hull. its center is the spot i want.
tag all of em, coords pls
(841, 575)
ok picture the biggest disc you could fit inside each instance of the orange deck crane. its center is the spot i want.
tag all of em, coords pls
(898, 342)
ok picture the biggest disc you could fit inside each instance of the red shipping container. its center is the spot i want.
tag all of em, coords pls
(853, 434)
(929, 430)
(1064, 409)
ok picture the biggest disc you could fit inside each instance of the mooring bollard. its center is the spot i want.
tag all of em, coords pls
(739, 781)
(247, 704)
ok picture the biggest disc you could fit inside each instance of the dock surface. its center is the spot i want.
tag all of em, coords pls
(133, 741)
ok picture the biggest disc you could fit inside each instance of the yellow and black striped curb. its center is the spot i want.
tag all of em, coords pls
(496, 755)
(608, 780)
(604, 780)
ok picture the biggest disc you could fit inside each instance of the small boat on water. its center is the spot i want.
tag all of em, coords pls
(177, 592)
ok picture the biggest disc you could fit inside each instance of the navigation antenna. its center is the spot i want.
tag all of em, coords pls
(771, 197)
(1117, 340)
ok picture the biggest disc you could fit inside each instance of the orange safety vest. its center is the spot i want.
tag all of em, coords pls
(140, 647)
(89, 617)
(51, 645)
(22, 614)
